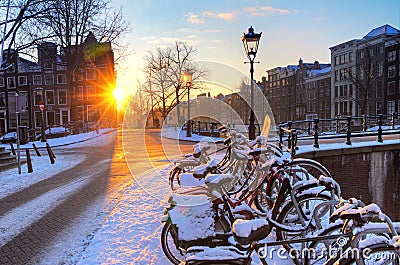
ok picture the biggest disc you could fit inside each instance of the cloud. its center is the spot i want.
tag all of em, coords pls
(194, 18)
(227, 16)
(264, 10)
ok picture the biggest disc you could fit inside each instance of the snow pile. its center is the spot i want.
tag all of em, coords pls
(243, 228)
(193, 215)
(187, 180)
(217, 253)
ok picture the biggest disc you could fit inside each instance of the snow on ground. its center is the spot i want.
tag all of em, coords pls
(11, 181)
(178, 133)
(131, 233)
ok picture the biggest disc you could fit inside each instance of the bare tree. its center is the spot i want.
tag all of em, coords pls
(164, 69)
(363, 77)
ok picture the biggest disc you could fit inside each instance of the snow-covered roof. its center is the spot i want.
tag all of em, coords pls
(319, 72)
(382, 30)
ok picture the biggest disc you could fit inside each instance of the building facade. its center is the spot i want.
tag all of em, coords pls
(287, 92)
(42, 92)
(357, 77)
(392, 75)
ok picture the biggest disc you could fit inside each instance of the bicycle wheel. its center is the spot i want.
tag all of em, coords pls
(376, 254)
(317, 251)
(267, 193)
(298, 169)
(305, 169)
(296, 221)
(168, 244)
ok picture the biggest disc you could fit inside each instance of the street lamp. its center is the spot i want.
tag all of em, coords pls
(250, 43)
(186, 78)
(39, 92)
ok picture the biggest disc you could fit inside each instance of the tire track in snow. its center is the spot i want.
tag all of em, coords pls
(15, 221)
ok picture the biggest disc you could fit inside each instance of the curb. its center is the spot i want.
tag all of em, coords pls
(71, 143)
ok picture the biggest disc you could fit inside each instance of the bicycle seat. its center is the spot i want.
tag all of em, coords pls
(248, 231)
(370, 212)
(217, 180)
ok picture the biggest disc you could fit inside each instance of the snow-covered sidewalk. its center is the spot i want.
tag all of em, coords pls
(131, 233)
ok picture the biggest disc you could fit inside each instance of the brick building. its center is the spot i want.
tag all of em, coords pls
(86, 96)
(287, 92)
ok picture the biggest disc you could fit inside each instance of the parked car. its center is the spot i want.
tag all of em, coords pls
(54, 132)
(10, 137)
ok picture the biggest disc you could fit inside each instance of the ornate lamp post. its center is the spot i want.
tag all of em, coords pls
(187, 80)
(39, 92)
(250, 43)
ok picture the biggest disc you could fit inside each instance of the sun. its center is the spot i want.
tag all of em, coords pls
(119, 95)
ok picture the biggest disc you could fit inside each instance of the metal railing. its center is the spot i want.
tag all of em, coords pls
(348, 127)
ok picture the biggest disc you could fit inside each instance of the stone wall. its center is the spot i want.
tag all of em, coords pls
(369, 173)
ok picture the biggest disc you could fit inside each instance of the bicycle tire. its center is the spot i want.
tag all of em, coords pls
(265, 201)
(314, 245)
(167, 240)
(283, 217)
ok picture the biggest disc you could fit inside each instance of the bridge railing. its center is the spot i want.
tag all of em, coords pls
(349, 126)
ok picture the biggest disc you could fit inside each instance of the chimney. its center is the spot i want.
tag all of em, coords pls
(317, 66)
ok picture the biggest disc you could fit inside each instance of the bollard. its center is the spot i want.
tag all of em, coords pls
(12, 149)
(380, 117)
(50, 153)
(309, 128)
(36, 149)
(348, 136)
(28, 160)
(316, 144)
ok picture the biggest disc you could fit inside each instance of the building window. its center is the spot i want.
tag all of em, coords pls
(37, 79)
(2, 100)
(80, 113)
(38, 119)
(391, 71)
(378, 107)
(1, 82)
(379, 69)
(37, 98)
(391, 56)
(61, 79)
(391, 88)
(22, 80)
(90, 74)
(10, 82)
(51, 117)
(62, 97)
(336, 60)
(23, 100)
(49, 97)
(48, 79)
(90, 92)
(91, 113)
(378, 88)
(79, 92)
(391, 107)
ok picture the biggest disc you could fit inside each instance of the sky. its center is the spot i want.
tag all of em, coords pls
(290, 29)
